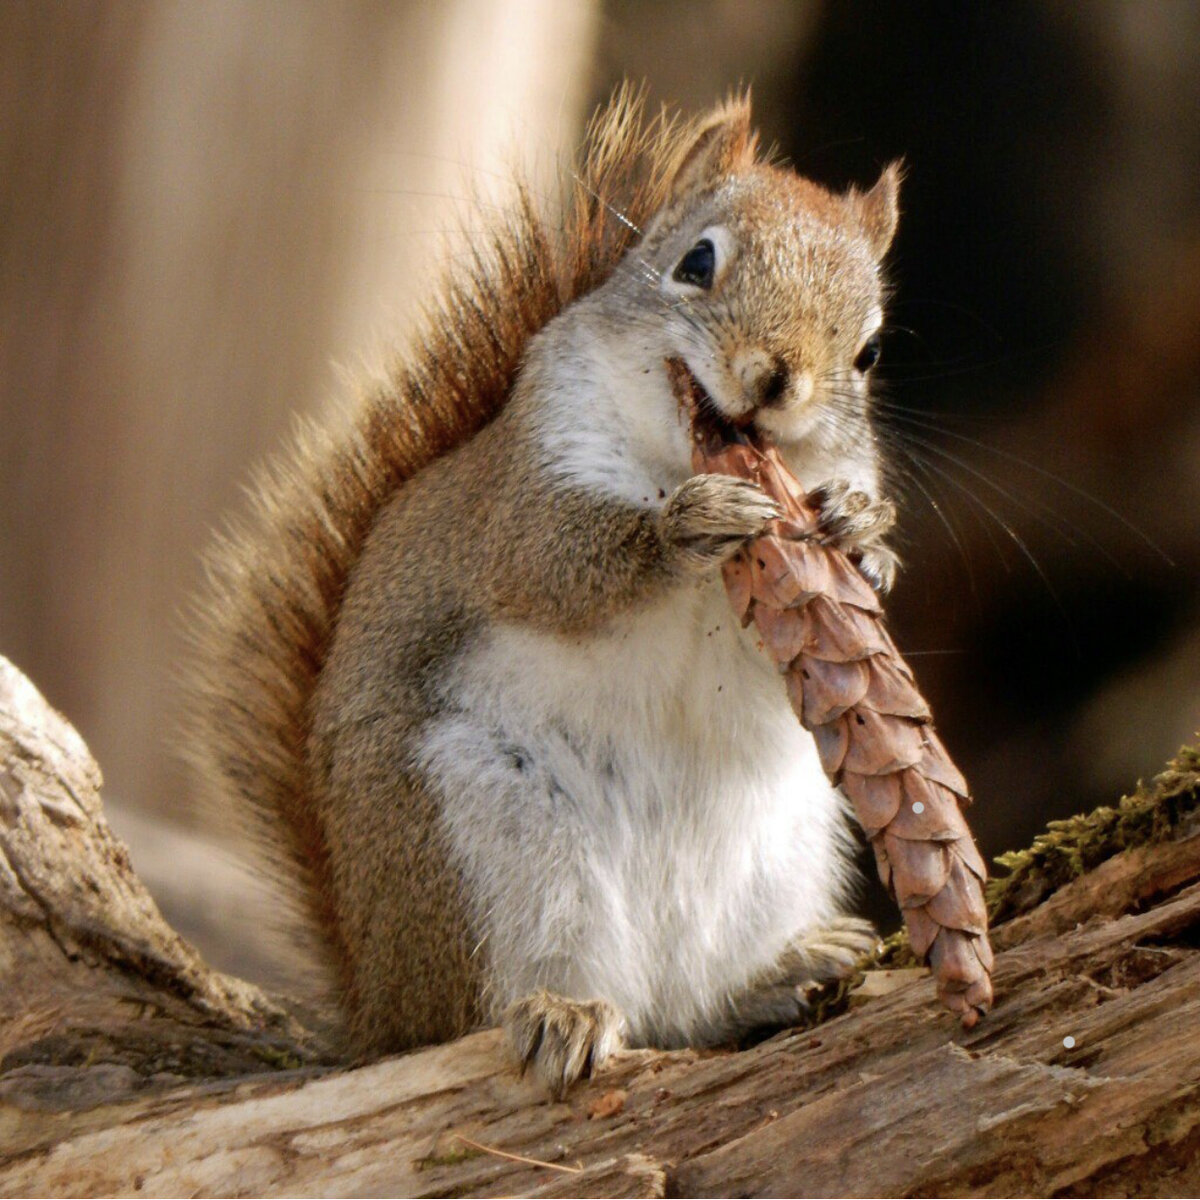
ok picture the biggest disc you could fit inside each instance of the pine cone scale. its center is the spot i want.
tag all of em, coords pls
(937, 766)
(930, 812)
(736, 573)
(786, 574)
(876, 799)
(841, 633)
(832, 741)
(831, 688)
(893, 693)
(969, 853)
(881, 744)
(784, 634)
(920, 873)
(922, 930)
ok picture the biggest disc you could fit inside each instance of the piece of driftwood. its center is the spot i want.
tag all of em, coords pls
(821, 623)
(1084, 1080)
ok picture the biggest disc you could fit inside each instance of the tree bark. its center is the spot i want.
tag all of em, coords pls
(127, 1067)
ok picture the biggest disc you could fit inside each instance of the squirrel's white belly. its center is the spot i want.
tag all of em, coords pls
(638, 813)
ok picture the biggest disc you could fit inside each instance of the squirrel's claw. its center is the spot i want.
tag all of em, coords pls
(857, 524)
(562, 1040)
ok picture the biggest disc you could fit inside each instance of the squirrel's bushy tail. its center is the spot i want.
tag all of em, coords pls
(262, 627)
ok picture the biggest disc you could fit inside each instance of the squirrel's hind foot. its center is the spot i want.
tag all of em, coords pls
(562, 1040)
(829, 952)
(781, 1001)
(858, 525)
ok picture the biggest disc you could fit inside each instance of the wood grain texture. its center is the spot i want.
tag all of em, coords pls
(892, 1098)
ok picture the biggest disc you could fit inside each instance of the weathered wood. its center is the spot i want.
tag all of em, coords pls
(91, 973)
(891, 1098)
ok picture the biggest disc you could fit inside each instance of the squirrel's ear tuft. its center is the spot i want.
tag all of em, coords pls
(879, 209)
(724, 143)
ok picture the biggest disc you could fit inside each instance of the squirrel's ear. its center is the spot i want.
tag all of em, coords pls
(725, 143)
(879, 209)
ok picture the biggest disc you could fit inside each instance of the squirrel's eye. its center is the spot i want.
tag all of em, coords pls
(868, 356)
(698, 265)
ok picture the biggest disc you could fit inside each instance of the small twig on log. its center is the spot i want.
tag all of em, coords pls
(518, 1158)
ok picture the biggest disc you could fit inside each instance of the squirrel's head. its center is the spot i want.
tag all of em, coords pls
(770, 287)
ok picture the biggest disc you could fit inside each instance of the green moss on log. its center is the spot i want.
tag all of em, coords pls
(1154, 812)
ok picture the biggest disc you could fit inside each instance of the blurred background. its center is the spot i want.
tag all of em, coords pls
(208, 213)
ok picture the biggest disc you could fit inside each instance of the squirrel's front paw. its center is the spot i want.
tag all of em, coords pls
(708, 517)
(563, 1040)
(856, 524)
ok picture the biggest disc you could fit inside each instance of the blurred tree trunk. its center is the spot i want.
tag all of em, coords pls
(202, 208)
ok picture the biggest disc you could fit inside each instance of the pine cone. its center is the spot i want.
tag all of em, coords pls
(821, 621)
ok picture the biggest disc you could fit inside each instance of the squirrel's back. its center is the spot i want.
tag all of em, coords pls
(261, 631)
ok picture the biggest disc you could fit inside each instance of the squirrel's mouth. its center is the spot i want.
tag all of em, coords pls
(710, 426)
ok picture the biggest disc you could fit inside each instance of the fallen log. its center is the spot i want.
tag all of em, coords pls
(127, 1067)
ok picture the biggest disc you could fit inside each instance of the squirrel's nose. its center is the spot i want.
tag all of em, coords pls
(773, 383)
(764, 378)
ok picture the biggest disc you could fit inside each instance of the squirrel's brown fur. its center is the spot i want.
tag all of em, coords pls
(277, 576)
